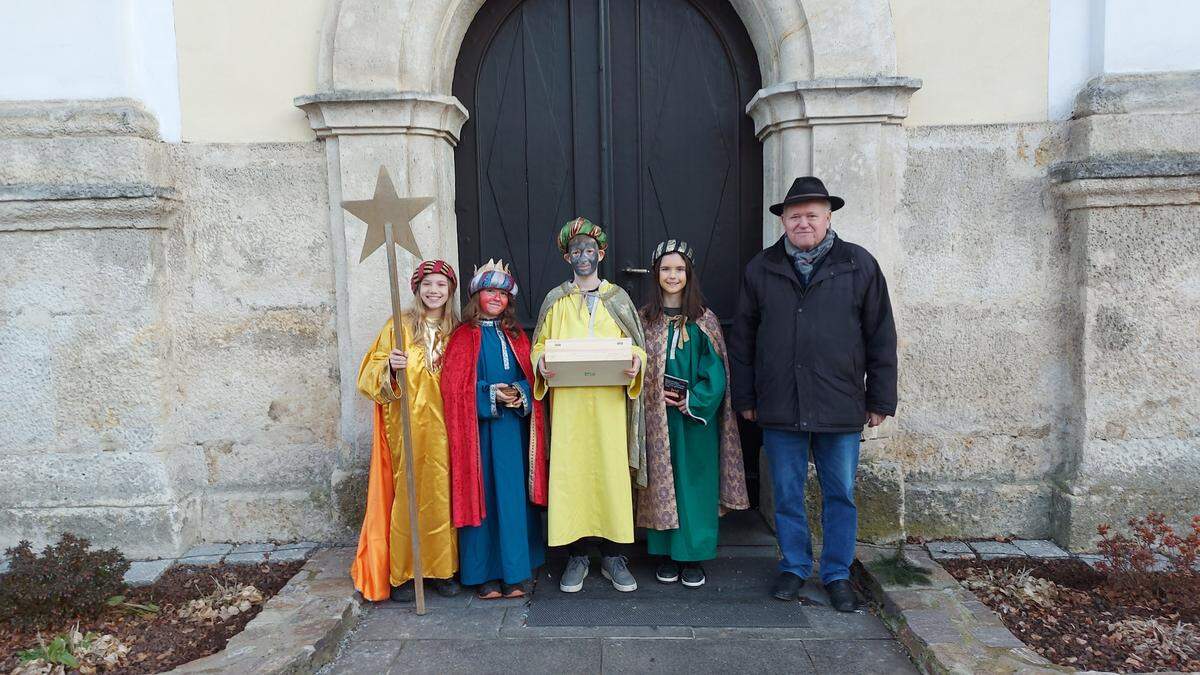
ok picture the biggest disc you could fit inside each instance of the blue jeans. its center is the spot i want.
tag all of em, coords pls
(836, 457)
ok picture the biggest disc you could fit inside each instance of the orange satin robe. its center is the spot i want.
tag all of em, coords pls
(384, 557)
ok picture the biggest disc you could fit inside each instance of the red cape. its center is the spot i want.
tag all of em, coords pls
(462, 426)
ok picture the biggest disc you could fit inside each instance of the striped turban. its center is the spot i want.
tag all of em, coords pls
(427, 267)
(495, 275)
(580, 226)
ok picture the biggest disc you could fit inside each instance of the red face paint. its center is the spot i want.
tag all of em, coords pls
(493, 302)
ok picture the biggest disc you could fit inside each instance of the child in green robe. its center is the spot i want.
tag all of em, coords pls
(693, 453)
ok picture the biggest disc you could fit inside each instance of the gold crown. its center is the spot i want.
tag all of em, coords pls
(492, 266)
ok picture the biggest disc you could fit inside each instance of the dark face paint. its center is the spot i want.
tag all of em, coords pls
(584, 256)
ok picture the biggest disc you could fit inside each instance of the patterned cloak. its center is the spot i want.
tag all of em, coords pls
(656, 500)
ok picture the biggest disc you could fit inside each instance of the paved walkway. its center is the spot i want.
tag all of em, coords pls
(467, 635)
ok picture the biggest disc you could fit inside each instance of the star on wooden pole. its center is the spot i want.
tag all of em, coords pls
(389, 222)
(387, 207)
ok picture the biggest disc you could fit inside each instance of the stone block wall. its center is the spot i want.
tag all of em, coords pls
(981, 291)
(167, 341)
(176, 366)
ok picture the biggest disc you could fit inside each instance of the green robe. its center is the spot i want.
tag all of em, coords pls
(694, 442)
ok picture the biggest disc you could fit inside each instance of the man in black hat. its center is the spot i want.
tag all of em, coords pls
(813, 351)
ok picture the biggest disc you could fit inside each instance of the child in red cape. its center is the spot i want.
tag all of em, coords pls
(498, 465)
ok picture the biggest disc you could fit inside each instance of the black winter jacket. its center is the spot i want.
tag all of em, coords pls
(815, 358)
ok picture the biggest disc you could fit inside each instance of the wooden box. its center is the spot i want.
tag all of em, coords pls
(589, 362)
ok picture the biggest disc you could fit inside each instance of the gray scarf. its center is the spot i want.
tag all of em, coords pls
(806, 261)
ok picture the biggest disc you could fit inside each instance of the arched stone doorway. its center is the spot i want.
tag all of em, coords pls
(629, 113)
(831, 105)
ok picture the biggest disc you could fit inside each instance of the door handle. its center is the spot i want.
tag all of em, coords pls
(635, 270)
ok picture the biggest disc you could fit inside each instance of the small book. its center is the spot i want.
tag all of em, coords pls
(672, 383)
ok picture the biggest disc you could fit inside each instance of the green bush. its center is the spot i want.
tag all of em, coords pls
(68, 581)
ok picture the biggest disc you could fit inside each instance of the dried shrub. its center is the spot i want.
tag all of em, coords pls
(1152, 537)
(68, 581)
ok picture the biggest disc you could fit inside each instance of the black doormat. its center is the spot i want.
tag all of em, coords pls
(736, 595)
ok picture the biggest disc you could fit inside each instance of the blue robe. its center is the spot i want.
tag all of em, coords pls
(508, 545)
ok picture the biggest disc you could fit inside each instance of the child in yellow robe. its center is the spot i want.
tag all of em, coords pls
(596, 438)
(383, 565)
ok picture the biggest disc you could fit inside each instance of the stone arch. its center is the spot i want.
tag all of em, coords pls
(831, 105)
(412, 46)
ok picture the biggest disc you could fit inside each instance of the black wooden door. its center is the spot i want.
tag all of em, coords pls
(628, 112)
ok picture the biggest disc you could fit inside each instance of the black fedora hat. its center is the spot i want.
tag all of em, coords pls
(808, 188)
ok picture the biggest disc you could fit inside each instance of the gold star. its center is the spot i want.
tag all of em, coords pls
(388, 207)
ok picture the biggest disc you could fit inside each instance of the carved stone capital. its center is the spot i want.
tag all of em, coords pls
(343, 113)
(808, 103)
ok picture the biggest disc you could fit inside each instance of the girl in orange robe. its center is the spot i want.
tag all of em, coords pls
(383, 565)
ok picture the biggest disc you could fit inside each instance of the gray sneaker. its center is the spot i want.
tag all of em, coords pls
(573, 576)
(616, 569)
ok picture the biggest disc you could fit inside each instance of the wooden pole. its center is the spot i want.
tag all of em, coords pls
(410, 481)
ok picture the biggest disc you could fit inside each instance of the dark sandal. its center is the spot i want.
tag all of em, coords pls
(513, 590)
(488, 591)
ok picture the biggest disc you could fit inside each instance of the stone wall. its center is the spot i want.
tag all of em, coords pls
(178, 349)
(986, 384)
(167, 342)
(1129, 189)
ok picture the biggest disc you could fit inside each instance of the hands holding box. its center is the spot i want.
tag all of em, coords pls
(589, 362)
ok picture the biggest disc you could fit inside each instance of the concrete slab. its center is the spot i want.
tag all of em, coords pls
(296, 544)
(949, 550)
(746, 528)
(688, 657)
(371, 656)
(289, 554)
(514, 626)
(996, 548)
(205, 554)
(859, 656)
(550, 656)
(823, 624)
(439, 623)
(432, 599)
(146, 572)
(932, 626)
(1040, 548)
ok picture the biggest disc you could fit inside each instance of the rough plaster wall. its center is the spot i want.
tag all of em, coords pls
(982, 291)
(255, 352)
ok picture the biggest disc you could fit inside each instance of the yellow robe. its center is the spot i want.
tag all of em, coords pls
(386, 526)
(590, 494)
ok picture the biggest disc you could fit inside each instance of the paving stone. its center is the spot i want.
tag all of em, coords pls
(1041, 548)
(689, 657)
(551, 656)
(514, 627)
(289, 554)
(746, 528)
(824, 624)
(372, 656)
(205, 554)
(437, 624)
(949, 549)
(996, 548)
(249, 554)
(461, 601)
(996, 636)
(931, 626)
(146, 572)
(859, 656)
(1091, 560)
(296, 544)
